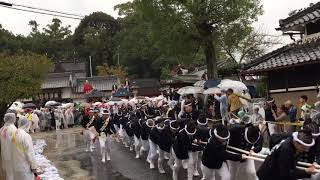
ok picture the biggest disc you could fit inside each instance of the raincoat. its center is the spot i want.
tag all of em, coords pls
(6, 133)
(69, 116)
(23, 153)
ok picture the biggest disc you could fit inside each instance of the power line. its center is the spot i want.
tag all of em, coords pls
(53, 11)
(38, 12)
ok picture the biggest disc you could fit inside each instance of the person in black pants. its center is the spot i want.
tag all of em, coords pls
(281, 163)
(215, 155)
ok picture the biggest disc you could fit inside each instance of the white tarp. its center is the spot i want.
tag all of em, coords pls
(49, 171)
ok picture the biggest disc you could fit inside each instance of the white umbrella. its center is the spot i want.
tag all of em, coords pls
(199, 83)
(214, 90)
(97, 103)
(67, 105)
(16, 106)
(52, 103)
(237, 86)
(125, 101)
(190, 90)
(110, 103)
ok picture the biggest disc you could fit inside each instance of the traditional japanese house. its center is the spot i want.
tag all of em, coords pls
(66, 82)
(102, 85)
(179, 80)
(146, 87)
(294, 69)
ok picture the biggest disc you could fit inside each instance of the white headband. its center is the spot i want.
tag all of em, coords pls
(216, 134)
(152, 123)
(159, 128)
(246, 137)
(189, 133)
(173, 127)
(316, 135)
(187, 105)
(295, 138)
(203, 124)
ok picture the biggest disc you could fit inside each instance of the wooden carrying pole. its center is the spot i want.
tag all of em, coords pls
(264, 156)
(262, 160)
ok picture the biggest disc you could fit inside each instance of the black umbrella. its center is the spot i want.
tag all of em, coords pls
(29, 106)
(211, 83)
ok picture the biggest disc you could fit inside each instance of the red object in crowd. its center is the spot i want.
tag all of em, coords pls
(87, 88)
(86, 110)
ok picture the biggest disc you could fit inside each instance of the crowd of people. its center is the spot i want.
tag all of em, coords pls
(222, 138)
(48, 118)
(17, 152)
(191, 137)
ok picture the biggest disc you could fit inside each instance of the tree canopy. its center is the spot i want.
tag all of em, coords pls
(189, 25)
(95, 37)
(21, 76)
(150, 37)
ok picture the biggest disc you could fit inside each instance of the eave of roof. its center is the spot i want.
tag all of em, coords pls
(288, 56)
(302, 17)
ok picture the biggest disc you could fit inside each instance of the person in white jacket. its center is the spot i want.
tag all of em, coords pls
(23, 154)
(35, 123)
(6, 133)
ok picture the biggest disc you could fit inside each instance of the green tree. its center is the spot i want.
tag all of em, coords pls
(183, 25)
(118, 71)
(137, 50)
(142, 52)
(54, 40)
(243, 44)
(95, 37)
(21, 77)
(9, 42)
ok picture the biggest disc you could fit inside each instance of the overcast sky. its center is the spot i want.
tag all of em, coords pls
(17, 21)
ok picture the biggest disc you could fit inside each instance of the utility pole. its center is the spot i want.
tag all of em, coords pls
(90, 61)
(119, 55)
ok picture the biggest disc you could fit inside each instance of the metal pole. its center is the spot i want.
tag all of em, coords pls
(90, 66)
(118, 55)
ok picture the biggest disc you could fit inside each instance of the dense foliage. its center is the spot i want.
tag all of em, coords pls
(21, 76)
(150, 37)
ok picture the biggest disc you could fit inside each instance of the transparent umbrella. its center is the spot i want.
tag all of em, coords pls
(214, 90)
(237, 86)
(190, 90)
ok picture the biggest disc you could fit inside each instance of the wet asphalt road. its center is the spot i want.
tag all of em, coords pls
(66, 151)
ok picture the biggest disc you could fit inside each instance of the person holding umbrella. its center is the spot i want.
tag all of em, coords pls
(223, 100)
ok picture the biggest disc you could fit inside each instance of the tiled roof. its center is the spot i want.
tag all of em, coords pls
(287, 56)
(302, 17)
(57, 80)
(100, 83)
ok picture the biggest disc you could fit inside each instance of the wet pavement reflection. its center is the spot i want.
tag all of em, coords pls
(66, 150)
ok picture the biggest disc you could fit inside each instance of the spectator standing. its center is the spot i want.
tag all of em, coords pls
(270, 107)
(303, 102)
(234, 102)
(223, 100)
(292, 113)
(281, 116)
